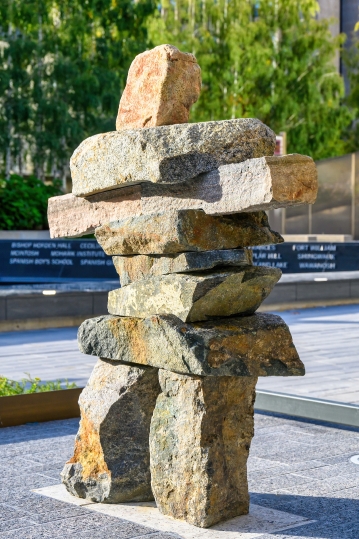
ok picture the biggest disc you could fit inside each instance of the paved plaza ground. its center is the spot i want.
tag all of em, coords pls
(327, 340)
(299, 471)
(300, 468)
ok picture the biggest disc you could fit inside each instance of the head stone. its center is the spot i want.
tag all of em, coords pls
(162, 85)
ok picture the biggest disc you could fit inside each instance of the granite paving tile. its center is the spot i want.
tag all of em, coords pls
(295, 466)
(26, 533)
(33, 503)
(15, 524)
(319, 530)
(326, 472)
(125, 531)
(276, 470)
(284, 481)
(330, 507)
(8, 513)
(60, 514)
(89, 522)
(319, 487)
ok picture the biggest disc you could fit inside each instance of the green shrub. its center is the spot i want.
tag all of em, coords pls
(30, 385)
(23, 203)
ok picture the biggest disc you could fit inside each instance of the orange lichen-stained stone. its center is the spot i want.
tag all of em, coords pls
(162, 85)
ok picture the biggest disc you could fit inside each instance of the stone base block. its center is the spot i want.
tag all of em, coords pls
(111, 458)
(200, 437)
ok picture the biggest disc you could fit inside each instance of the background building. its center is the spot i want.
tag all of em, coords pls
(346, 13)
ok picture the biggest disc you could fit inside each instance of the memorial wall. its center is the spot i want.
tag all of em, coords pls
(71, 260)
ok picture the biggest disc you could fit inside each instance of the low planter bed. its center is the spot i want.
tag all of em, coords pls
(38, 407)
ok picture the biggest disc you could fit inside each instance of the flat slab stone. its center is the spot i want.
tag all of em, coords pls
(184, 230)
(258, 184)
(257, 345)
(196, 296)
(138, 267)
(166, 154)
(201, 432)
(111, 456)
(71, 216)
(162, 85)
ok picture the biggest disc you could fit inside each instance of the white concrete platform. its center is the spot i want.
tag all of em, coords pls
(259, 521)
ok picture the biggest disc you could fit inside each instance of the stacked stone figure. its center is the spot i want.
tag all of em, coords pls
(167, 413)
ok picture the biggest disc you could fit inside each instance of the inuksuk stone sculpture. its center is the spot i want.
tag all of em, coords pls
(168, 411)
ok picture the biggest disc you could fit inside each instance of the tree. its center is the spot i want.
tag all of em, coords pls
(351, 60)
(63, 66)
(270, 59)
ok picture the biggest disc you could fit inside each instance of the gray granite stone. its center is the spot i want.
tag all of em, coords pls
(170, 232)
(256, 184)
(137, 267)
(201, 431)
(111, 457)
(193, 297)
(166, 154)
(230, 346)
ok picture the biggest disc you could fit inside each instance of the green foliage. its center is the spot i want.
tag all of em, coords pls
(23, 203)
(63, 66)
(30, 385)
(270, 60)
(351, 61)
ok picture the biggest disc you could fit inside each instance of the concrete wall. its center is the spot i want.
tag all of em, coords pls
(21, 310)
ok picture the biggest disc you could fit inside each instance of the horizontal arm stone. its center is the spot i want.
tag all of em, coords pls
(71, 216)
(257, 345)
(257, 184)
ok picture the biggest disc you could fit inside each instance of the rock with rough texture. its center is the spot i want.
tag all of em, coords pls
(196, 296)
(71, 216)
(111, 457)
(256, 184)
(138, 267)
(265, 183)
(162, 85)
(201, 432)
(167, 154)
(185, 230)
(257, 345)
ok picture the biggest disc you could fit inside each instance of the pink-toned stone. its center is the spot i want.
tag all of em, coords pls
(71, 216)
(162, 85)
(256, 184)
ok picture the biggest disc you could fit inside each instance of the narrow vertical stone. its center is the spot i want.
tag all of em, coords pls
(111, 461)
(200, 437)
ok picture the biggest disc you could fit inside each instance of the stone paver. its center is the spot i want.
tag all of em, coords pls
(49, 354)
(324, 489)
(327, 339)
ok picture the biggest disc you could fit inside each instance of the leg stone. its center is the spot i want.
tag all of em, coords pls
(200, 436)
(111, 461)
